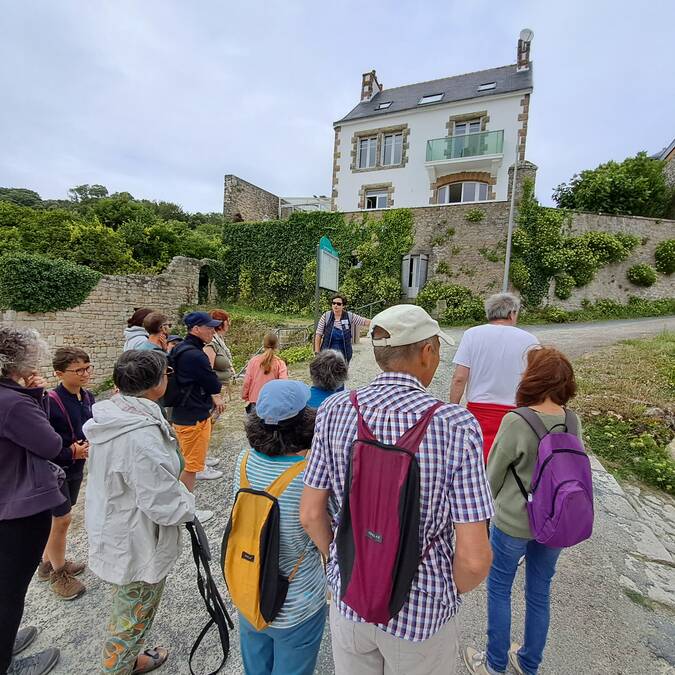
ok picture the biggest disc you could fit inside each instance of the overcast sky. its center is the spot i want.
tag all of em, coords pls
(163, 97)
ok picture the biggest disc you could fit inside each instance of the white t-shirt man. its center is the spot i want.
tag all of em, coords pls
(495, 355)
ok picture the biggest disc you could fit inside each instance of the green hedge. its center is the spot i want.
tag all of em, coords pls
(665, 256)
(462, 305)
(35, 283)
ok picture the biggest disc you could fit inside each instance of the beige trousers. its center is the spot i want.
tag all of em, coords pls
(364, 649)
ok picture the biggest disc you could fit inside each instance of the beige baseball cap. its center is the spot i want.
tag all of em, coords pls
(406, 324)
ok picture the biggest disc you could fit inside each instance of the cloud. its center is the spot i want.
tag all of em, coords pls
(161, 98)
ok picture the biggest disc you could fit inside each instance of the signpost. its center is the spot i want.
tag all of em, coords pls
(327, 273)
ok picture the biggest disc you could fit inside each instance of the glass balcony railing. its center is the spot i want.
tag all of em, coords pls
(466, 145)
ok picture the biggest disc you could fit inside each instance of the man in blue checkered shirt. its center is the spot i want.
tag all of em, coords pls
(455, 502)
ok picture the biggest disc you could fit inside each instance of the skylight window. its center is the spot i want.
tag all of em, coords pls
(430, 98)
(487, 86)
(383, 106)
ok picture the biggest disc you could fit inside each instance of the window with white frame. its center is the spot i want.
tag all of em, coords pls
(392, 149)
(468, 127)
(467, 191)
(376, 199)
(367, 152)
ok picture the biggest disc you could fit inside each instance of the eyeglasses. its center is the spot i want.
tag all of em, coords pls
(169, 370)
(81, 371)
(337, 304)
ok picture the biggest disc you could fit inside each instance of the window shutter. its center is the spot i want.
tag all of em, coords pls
(423, 270)
(405, 273)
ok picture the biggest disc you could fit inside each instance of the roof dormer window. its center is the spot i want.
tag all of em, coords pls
(487, 86)
(383, 106)
(430, 98)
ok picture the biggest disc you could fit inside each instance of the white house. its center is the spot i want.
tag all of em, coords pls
(438, 142)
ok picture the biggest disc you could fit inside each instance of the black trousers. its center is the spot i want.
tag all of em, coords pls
(22, 541)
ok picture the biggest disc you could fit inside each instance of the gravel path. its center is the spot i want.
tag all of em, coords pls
(595, 627)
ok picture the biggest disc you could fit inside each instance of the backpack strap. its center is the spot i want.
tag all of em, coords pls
(571, 422)
(533, 421)
(412, 438)
(53, 396)
(282, 481)
(243, 476)
(363, 432)
(523, 491)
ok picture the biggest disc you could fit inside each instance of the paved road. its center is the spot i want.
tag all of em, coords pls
(595, 627)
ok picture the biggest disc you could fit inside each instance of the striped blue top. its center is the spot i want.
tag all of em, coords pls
(307, 591)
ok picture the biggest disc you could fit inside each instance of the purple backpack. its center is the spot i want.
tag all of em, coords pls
(377, 540)
(560, 501)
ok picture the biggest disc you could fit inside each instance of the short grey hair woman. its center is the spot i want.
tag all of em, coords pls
(135, 506)
(502, 306)
(329, 371)
(29, 486)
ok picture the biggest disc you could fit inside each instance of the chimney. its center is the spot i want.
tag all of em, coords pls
(369, 86)
(524, 41)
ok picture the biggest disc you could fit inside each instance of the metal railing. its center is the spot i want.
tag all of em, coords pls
(466, 145)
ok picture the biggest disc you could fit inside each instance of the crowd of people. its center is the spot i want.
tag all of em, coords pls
(375, 509)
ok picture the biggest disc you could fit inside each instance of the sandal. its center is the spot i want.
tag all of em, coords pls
(157, 656)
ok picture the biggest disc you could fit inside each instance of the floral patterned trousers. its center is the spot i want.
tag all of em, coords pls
(133, 610)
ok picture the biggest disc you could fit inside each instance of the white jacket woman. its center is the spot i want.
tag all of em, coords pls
(135, 504)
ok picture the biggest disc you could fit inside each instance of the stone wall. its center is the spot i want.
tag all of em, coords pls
(97, 324)
(471, 254)
(243, 201)
(610, 282)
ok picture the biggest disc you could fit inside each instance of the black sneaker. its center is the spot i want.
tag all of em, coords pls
(24, 638)
(38, 664)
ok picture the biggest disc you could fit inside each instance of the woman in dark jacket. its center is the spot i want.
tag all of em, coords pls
(29, 489)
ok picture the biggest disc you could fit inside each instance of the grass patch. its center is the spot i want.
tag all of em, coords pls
(626, 396)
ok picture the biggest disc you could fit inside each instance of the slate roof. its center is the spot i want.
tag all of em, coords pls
(456, 88)
(665, 152)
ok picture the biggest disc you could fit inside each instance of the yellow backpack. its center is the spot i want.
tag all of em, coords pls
(250, 549)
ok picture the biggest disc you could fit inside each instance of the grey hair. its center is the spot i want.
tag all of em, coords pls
(501, 306)
(137, 371)
(389, 358)
(328, 370)
(21, 350)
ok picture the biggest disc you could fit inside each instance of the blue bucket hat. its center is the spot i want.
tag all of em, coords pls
(281, 400)
(200, 319)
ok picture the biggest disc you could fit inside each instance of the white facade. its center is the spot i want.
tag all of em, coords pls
(412, 184)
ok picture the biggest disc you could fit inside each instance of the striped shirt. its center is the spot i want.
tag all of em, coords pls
(356, 320)
(453, 487)
(307, 591)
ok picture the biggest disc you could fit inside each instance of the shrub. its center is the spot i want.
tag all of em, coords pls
(637, 186)
(555, 314)
(641, 275)
(462, 305)
(34, 283)
(296, 354)
(442, 267)
(564, 284)
(475, 215)
(665, 256)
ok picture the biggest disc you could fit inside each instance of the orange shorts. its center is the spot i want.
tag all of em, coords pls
(194, 443)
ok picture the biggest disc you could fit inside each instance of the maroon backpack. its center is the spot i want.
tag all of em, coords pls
(377, 541)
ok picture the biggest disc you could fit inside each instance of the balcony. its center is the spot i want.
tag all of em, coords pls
(483, 151)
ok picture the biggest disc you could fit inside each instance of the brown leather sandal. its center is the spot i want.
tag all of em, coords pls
(157, 656)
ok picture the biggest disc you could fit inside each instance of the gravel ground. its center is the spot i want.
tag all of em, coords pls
(595, 627)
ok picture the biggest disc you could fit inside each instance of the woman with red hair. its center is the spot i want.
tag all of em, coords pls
(545, 388)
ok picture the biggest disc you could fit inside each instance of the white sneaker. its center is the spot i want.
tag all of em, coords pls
(209, 474)
(475, 661)
(513, 658)
(212, 461)
(203, 516)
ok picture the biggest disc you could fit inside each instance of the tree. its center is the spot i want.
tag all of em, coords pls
(86, 192)
(21, 197)
(637, 187)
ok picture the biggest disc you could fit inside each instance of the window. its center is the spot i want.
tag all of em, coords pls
(430, 98)
(456, 193)
(487, 86)
(383, 106)
(367, 152)
(392, 147)
(376, 199)
(469, 127)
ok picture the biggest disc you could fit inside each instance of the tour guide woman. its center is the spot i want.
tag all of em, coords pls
(336, 328)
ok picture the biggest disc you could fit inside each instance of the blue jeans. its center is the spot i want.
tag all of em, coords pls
(540, 564)
(282, 651)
